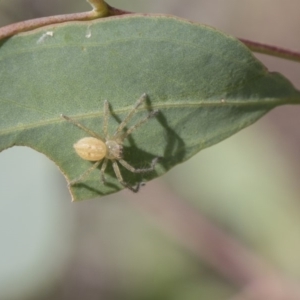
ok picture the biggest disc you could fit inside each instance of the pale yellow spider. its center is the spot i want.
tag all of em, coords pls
(98, 149)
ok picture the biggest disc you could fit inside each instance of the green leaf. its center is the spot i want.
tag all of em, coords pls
(206, 85)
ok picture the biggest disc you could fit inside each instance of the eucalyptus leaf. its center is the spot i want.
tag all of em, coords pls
(205, 84)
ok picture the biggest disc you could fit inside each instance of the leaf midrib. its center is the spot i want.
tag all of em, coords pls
(267, 102)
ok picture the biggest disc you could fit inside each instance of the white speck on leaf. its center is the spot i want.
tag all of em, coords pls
(44, 36)
(88, 33)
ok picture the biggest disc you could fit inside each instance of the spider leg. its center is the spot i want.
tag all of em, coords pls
(85, 174)
(138, 124)
(130, 114)
(92, 133)
(142, 170)
(120, 178)
(102, 171)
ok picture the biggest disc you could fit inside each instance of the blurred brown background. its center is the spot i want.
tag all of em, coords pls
(224, 225)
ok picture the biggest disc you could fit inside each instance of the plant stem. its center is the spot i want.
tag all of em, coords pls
(102, 9)
(253, 46)
(272, 50)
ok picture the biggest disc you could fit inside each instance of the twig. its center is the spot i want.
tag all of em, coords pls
(100, 9)
(272, 50)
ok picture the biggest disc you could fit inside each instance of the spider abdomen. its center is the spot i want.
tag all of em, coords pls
(90, 148)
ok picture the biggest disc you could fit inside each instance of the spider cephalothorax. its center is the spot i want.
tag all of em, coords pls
(102, 149)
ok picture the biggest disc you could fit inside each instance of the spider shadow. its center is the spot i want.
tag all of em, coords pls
(173, 153)
(113, 186)
(175, 147)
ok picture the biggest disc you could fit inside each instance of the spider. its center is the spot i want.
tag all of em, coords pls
(98, 149)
